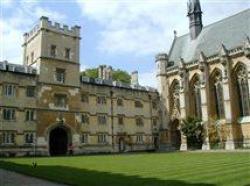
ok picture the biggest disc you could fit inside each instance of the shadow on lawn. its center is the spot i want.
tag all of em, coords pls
(76, 176)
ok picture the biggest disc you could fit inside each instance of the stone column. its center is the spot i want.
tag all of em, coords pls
(226, 79)
(204, 89)
(183, 101)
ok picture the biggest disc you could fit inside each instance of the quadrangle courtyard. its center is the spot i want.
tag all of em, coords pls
(147, 169)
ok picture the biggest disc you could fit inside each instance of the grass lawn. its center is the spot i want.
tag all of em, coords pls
(173, 169)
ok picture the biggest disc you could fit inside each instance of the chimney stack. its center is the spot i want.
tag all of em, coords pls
(134, 78)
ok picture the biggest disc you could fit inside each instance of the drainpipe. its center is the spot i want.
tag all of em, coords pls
(112, 118)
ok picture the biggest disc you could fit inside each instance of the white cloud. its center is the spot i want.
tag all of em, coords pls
(146, 27)
(21, 18)
(6, 3)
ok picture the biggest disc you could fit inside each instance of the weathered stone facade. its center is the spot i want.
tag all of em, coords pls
(45, 106)
(206, 75)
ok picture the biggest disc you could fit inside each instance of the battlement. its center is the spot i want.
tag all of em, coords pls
(45, 23)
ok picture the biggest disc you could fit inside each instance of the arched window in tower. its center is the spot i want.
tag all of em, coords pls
(242, 85)
(218, 93)
(197, 98)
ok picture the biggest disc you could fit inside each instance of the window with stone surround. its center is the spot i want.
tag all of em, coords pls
(85, 119)
(138, 104)
(84, 138)
(102, 119)
(139, 138)
(102, 138)
(29, 137)
(120, 119)
(9, 90)
(67, 53)
(53, 50)
(60, 100)
(101, 100)
(8, 137)
(32, 57)
(30, 115)
(60, 75)
(120, 102)
(30, 91)
(154, 121)
(139, 122)
(9, 114)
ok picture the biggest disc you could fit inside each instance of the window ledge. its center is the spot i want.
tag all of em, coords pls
(245, 119)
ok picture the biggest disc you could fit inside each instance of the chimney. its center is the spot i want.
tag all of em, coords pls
(134, 78)
(100, 71)
(109, 73)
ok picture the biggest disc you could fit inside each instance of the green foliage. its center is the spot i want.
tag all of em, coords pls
(92, 72)
(121, 75)
(118, 75)
(193, 130)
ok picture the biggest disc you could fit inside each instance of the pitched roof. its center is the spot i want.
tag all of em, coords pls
(231, 31)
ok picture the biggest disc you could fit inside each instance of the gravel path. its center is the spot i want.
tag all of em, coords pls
(8, 178)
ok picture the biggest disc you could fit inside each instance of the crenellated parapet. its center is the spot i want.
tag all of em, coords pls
(45, 24)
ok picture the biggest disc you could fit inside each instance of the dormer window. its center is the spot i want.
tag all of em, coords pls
(67, 53)
(53, 51)
(60, 75)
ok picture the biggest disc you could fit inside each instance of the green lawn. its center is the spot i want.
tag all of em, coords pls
(181, 169)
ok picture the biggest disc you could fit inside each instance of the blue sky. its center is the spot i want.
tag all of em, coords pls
(125, 34)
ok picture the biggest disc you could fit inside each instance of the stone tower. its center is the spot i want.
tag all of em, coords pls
(195, 18)
(54, 51)
(51, 47)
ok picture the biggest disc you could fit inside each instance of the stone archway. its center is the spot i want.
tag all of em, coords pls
(58, 141)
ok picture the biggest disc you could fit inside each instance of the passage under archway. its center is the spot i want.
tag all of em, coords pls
(58, 142)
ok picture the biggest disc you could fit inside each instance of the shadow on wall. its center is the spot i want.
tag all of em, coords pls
(75, 176)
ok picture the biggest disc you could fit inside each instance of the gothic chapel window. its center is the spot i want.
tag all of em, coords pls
(242, 82)
(219, 96)
(197, 99)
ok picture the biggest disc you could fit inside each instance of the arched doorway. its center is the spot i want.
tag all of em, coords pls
(58, 141)
(175, 134)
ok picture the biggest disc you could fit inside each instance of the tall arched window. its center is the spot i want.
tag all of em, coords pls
(197, 98)
(218, 93)
(242, 85)
(175, 98)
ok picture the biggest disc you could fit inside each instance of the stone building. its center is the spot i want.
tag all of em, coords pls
(48, 108)
(206, 75)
